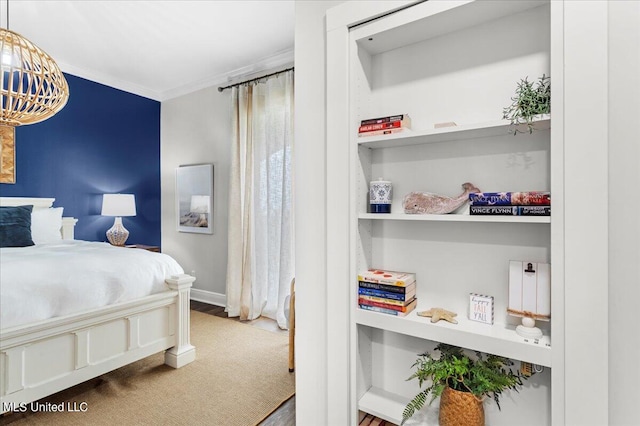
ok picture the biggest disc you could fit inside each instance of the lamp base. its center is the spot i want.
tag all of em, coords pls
(117, 234)
(528, 329)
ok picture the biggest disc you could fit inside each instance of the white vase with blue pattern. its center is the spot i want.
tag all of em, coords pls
(380, 196)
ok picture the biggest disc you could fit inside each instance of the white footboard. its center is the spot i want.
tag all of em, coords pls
(40, 359)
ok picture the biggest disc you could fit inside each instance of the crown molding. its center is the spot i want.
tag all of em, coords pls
(277, 60)
(284, 58)
(109, 80)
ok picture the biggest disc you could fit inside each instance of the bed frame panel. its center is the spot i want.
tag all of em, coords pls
(39, 359)
(68, 223)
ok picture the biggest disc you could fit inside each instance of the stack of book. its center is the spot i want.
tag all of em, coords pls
(388, 292)
(384, 125)
(532, 203)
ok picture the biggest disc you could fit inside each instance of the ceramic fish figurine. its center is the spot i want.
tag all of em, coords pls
(428, 203)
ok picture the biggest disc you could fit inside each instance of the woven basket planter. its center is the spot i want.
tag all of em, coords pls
(460, 409)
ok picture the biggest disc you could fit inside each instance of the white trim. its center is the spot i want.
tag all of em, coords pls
(557, 225)
(109, 80)
(68, 223)
(209, 297)
(351, 13)
(281, 59)
(38, 203)
(339, 232)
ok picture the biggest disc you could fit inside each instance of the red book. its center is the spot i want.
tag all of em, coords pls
(410, 307)
(381, 132)
(380, 126)
(406, 308)
(526, 198)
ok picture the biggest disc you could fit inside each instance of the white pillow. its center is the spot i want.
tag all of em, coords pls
(46, 224)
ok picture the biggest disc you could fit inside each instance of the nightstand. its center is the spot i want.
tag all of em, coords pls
(155, 249)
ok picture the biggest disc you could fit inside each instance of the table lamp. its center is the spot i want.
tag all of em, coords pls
(529, 295)
(118, 205)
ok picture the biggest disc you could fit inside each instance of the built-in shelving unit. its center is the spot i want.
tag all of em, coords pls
(445, 62)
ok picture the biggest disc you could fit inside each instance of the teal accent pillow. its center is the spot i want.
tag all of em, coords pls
(15, 226)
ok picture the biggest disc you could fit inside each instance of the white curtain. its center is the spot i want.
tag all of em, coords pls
(260, 265)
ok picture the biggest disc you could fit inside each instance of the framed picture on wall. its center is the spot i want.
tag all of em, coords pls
(194, 198)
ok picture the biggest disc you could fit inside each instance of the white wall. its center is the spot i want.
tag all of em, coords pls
(310, 214)
(602, 138)
(585, 231)
(624, 220)
(196, 129)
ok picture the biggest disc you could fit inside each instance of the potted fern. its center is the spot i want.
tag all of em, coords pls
(530, 100)
(462, 382)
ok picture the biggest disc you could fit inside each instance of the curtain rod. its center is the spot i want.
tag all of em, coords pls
(220, 89)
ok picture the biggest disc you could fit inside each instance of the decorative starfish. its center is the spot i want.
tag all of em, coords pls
(438, 314)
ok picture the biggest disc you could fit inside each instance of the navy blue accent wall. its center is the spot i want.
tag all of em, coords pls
(103, 141)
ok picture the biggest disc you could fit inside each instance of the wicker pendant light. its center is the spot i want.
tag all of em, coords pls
(31, 84)
(32, 89)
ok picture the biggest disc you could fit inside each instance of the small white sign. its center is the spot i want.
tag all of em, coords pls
(481, 308)
(530, 289)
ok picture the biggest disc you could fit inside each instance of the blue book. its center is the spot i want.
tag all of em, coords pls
(385, 294)
(494, 210)
(534, 210)
(510, 210)
(387, 287)
(528, 198)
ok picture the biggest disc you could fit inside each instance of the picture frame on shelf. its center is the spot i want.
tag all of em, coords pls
(481, 308)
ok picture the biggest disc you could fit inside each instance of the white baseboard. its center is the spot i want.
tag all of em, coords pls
(209, 297)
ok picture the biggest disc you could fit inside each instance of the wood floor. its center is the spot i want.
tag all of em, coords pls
(285, 415)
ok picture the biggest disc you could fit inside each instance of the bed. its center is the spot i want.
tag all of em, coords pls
(60, 344)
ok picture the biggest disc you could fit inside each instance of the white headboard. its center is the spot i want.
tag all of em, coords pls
(68, 223)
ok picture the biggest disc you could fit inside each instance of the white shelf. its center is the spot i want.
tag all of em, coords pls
(432, 19)
(389, 406)
(445, 134)
(455, 218)
(497, 339)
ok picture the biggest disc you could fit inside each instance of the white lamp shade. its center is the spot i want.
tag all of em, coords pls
(118, 205)
(199, 204)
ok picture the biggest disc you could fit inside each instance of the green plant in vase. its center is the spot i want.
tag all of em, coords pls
(463, 382)
(531, 99)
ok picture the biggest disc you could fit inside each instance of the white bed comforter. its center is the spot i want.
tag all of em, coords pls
(51, 280)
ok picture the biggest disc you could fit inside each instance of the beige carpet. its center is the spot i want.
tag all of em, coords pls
(239, 377)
